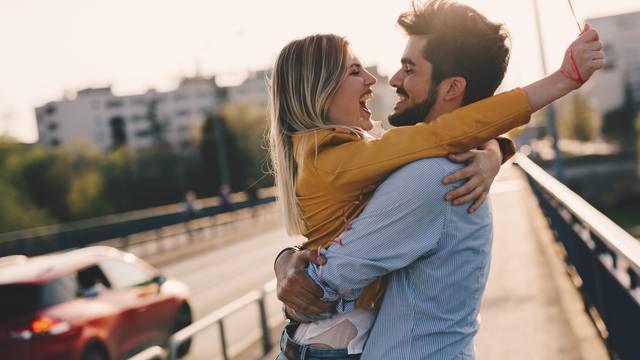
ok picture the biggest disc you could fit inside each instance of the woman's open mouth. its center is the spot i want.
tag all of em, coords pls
(363, 101)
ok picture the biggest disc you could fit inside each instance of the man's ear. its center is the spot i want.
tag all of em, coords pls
(454, 88)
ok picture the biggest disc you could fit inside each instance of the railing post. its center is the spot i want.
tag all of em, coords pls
(223, 340)
(124, 242)
(264, 322)
(633, 278)
(173, 349)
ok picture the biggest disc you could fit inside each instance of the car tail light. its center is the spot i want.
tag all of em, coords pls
(40, 327)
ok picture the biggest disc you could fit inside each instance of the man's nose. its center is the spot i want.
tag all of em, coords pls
(396, 80)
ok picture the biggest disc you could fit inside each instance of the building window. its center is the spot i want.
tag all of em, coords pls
(137, 118)
(142, 133)
(137, 101)
(118, 132)
(183, 113)
(52, 126)
(55, 142)
(116, 103)
(50, 110)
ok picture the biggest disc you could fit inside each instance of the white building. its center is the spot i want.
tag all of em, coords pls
(620, 35)
(100, 117)
(253, 90)
(108, 120)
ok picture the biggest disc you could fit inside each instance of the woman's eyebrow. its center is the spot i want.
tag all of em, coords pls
(356, 65)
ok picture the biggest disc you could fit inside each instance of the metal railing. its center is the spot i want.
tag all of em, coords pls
(604, 256)
(59, 237)
(216, 318)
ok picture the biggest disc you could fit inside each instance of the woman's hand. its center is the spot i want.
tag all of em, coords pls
(295, 288)
(583, 57)
(483, 164)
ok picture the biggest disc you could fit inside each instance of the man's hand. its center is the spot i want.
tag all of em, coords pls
(483, 164)
(295, 288)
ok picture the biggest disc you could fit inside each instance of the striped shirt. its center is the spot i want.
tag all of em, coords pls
(437, 259)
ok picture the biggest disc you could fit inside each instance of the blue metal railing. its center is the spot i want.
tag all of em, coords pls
(604, 256)
(59, 237)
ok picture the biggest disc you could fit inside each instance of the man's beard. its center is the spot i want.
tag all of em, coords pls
(415, 113)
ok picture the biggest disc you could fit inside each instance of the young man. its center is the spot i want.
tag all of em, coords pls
(435, 255)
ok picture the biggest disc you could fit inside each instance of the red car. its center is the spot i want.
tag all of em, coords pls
(95, 303)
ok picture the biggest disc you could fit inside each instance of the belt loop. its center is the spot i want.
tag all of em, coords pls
(303, 352)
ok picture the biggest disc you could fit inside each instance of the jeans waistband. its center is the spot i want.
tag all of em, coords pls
(295, 351)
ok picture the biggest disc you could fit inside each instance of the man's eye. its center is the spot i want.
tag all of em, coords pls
(408, 71)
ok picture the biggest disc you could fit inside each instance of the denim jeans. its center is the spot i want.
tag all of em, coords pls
(305, 352)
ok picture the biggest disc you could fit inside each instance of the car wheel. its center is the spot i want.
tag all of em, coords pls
(94, 353)
(183, 319)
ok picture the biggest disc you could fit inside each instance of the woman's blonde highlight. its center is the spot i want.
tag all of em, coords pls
(304, 80)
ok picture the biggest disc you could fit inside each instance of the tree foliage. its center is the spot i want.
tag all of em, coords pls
(41, 186)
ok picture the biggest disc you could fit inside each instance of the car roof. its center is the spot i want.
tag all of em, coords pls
(41, 269)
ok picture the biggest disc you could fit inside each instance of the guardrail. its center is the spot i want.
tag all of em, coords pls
(47, 239)
(604, 256)
(216, 318)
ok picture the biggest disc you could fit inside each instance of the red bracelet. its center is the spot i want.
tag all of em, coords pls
(577, 78)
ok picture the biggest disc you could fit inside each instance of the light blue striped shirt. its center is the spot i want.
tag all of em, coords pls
(437, 259)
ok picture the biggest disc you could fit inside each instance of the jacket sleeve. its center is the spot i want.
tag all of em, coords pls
(404, 221)
(360, 163)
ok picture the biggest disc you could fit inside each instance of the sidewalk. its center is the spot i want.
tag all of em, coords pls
(530, 309)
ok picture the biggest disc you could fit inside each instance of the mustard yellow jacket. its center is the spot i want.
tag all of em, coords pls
(338, 170)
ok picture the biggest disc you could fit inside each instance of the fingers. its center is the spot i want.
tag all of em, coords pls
(594, 46)
(476, 205)
(588, 35)
(462, 157)
(312, 256)
(298, 291)
(307, 305)
(475, 194)
(463, 173)
(596, 55)
(463, 190)
(598, 64)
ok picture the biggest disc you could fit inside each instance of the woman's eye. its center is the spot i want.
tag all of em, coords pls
(355, 73)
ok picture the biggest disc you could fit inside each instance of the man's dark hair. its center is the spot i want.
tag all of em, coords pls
(461, 42)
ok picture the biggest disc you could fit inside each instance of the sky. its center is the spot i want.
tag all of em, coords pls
(56, 47)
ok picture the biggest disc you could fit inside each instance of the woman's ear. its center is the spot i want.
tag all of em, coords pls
(455, 87)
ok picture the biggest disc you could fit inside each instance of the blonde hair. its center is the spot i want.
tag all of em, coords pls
(304, 80)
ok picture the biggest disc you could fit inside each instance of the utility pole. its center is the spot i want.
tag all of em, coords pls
(551, 111)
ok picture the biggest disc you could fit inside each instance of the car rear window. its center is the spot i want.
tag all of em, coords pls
(17, 300)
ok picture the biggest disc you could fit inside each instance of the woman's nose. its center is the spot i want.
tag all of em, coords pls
(371, 80)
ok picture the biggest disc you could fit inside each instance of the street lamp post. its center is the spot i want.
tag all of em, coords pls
(551, 111)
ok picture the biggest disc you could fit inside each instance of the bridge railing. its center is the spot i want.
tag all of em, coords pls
(47, 239)
(605, 257)
(216, 318)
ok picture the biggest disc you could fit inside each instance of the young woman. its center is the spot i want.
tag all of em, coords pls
(327, 166)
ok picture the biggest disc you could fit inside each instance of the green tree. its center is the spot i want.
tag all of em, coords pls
(583, 121)
(249, 123)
